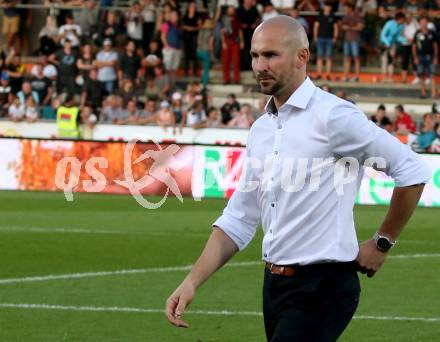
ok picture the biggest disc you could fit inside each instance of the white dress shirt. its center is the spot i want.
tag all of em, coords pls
(313, 223)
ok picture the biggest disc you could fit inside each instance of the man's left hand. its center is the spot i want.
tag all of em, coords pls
(370, 259)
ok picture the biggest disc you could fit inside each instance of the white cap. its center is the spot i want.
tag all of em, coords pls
(176, 96)
(164, 104)
(152, 58)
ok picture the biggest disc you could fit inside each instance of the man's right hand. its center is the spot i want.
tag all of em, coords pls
(178, 302)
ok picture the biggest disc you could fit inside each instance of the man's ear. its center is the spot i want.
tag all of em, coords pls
(302, 58)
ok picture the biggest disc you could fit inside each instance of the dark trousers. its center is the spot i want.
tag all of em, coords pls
(190, 50)
(314, 305)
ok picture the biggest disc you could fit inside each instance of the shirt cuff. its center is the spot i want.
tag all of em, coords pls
(241, 233)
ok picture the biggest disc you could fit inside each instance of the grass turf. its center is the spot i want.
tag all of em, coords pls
(42, 234)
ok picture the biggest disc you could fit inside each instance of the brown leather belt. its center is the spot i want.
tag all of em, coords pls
(287, 271)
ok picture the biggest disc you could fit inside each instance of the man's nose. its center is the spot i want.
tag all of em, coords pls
(261, 64)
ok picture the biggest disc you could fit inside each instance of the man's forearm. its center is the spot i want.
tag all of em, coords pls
(403, 202)
(218, 250)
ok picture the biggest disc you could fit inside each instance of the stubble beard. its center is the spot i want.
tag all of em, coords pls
(270, 90)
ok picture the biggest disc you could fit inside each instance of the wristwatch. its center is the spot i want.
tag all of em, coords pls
(383, 243)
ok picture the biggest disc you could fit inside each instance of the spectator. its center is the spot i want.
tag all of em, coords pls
(403, 120)
(172, 44)
(352, 25)
(242, 118)
(127, 92)
(134, 22)
(151, 89)
(148, 115)
(149, 22)
(26, 91)
(42, 85)
(214, 119)
(391, 7)
(15, 70)
(325, 33)
(191, 24)
(88, 118)
(231, 105)
(283, 4)
(5, 93)
(409, 30)
(307, 5)
(129, 64)
(165, 116)
(87, 19)
(30, 109)
(11, 21)
(372, 27)
(425, 53)
(326, 88)
(232, 41)
(92, 92)
(427, 133)
(49, 36)
(294, 13)
(177, 106)
(131, 113)
(49, 70)
(381, 119)
(106, 61)
(70, 32)
(413, 8)
(66, 61)
(437, 115)
(390, 36)
(109, 30)
(85, 63)
(268, 11)
(164, 16)
(249, 19)
(112, 111)
(196, 114)
(205, 49)
(162, 81)
(68, 119)
(435, 145)
(193, 90)
(153, 59)
(16, 109)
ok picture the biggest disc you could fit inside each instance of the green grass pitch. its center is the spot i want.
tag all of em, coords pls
(43, 235)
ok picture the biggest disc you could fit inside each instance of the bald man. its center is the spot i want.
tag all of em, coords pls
(311, 287)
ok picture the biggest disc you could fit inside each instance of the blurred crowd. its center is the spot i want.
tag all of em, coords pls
(423, 137)
(124, 66)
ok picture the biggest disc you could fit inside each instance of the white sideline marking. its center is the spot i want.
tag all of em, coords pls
(194, 312)
(146, 232)
(119, 272)
(164, 270)
(96, 231)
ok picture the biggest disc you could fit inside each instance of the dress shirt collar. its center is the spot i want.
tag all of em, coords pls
(299, 99)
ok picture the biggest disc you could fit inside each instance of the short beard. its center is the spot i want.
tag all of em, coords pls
(271, 90)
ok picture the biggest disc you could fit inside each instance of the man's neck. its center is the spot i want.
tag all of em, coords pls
(284, 94)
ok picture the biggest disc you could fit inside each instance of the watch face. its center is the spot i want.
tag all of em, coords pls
(383, 243)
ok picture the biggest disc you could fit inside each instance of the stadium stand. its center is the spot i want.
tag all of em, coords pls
(169, 63)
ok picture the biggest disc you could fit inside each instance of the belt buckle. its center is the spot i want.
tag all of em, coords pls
(270, 268)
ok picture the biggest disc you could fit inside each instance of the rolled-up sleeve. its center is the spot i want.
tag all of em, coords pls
(351, 134)
(241, 216)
